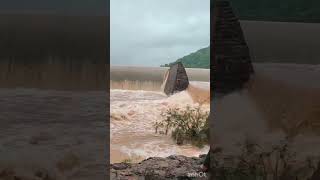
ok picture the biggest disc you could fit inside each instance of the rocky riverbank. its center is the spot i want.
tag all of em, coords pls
(157, 168)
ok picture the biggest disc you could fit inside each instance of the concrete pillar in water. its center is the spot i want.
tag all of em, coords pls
(230, 58)
(176, 79)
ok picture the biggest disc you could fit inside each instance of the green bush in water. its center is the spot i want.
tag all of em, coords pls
(187, 125)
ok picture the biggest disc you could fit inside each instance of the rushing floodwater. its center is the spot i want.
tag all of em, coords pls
(45, 128)
(137, 104)
(148, 78)
(49, 124)
(282, 101)
(132, 133)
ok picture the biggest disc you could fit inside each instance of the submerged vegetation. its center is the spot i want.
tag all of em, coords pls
(187, 125)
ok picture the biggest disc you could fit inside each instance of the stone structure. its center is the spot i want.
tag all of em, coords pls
(230, 59)
(157, 168)
(176, 80)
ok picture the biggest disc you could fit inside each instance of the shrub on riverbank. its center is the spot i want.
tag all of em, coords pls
(187, 125)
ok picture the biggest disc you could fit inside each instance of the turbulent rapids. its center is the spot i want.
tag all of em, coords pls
(281, 102)
(137, 101)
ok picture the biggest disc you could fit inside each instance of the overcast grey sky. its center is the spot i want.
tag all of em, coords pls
(155, 32)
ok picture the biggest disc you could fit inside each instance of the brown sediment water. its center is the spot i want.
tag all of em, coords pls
(133, 114)
(292, 105)
(137, 104)
(61, 132)
(53, 118)
(281, 102)
(199, 92)
(53, 76)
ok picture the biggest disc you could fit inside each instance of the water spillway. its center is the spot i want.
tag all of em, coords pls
(148, 78)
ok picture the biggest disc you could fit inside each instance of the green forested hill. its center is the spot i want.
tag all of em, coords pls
(264, 10)
(198, 59)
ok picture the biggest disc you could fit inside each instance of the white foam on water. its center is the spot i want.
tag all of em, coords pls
(133, 114)
(268, 111)
(150, 149)
(137, 111)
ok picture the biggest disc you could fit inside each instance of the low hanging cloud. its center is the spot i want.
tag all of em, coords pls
(154, 32)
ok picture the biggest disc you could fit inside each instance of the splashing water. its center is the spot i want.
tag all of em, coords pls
(282, 101)
(132, 133)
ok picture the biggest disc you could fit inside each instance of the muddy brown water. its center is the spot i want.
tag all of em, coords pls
(133, 114)
(53, 118)
(137, 102)
(282, 101)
